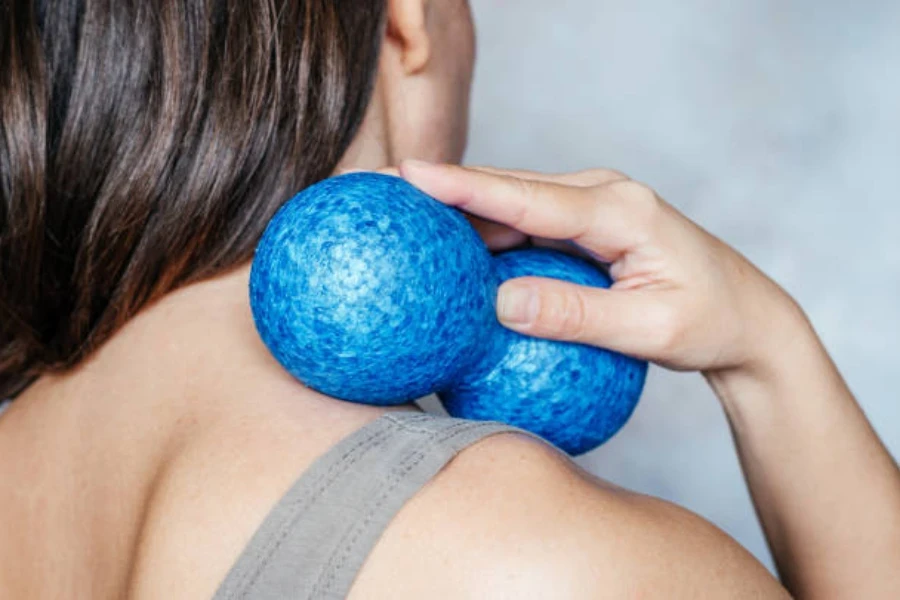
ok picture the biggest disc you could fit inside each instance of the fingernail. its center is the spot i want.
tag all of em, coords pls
(517, 304)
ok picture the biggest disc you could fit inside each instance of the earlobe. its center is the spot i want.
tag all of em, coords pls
(409, 29)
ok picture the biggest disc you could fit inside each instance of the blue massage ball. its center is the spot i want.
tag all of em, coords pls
(368, 290)
(575, 396)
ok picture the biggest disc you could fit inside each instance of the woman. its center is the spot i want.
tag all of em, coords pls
(154, 449)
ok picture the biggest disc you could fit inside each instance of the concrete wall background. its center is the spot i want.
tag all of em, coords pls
(773, 123)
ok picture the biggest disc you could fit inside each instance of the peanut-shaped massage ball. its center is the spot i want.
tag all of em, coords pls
(368, 290)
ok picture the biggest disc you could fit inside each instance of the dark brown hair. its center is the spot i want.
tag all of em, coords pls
(145, 144)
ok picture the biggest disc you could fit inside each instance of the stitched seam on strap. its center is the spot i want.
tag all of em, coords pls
(409, 422)
(327, 478)
(397, 474)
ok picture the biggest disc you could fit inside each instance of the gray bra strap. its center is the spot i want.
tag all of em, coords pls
(315, 541)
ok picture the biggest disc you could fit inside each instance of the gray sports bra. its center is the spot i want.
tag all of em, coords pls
(315, 540)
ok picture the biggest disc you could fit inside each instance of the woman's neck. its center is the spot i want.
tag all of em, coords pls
(194, 350)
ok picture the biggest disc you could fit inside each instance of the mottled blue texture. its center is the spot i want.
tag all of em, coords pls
(368, 290)
(573, 395)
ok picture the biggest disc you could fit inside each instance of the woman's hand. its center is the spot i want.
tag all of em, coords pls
(825, 488)
(681, 298)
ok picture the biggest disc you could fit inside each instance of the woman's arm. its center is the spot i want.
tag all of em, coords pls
(825, 488)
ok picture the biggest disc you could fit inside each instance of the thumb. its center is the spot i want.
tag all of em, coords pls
(619, 320)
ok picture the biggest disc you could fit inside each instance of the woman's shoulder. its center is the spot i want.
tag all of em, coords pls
(509, 516)
(512, 517)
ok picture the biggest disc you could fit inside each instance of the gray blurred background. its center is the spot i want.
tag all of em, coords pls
(773, 123)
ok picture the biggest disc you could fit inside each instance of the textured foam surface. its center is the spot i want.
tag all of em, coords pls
(573, 395)
(368, 290)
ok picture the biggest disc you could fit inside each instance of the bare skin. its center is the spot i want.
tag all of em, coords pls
(93, 462)
(144, 472)
(826, 489)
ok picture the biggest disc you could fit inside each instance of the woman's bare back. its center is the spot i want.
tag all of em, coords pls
(509, 517)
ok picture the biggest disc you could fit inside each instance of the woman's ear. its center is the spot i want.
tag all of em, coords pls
(408, 29)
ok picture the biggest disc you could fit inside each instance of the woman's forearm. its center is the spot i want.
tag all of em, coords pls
(826, 489)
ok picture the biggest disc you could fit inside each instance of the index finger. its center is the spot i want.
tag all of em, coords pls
(592, 217)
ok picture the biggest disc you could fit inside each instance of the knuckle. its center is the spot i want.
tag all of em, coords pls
(600, 176)
(525, 188)
(611, 175)
(641, 195)
(639, 199)
(564, 315)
